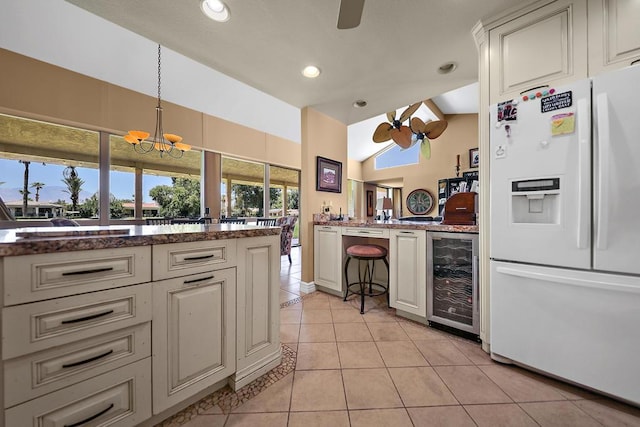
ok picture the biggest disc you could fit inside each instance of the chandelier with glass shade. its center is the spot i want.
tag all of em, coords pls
(164, 143)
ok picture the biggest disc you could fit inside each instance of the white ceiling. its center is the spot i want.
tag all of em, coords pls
(390, 60)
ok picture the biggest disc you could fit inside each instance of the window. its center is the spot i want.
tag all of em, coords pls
(170, 187)
(396, 156)
(284, 191)
(48, 170)
(51, 170)
(242, 188)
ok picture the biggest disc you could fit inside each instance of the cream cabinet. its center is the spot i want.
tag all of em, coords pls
(258, 315)
(547, 46)
(76, 333)
(193, 330)
(116, 336)
(407, 275)
(614, 34)
(327, 257)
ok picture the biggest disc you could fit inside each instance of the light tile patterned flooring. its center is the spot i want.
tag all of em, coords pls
(377, 369)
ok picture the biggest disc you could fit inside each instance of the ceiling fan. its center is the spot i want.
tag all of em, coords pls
(350, 14)
(406, 136)
(395, 130)
(425, 132)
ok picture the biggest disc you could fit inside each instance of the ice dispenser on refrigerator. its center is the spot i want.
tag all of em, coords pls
(535, 201)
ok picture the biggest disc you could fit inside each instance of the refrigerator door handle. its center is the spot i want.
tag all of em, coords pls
(584, 170)
(476, 303)
(568, 280)
(604, 142)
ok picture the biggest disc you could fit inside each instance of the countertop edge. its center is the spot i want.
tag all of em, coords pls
(139, 237)
(404, 225)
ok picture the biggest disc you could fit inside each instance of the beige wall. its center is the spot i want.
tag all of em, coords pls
(355, 170)
(460, 136)
(325, 137)
(38, 90)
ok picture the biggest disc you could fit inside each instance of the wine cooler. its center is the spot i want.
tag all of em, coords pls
(452, 281)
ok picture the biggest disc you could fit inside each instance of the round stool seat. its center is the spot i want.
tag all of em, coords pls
(367, 251)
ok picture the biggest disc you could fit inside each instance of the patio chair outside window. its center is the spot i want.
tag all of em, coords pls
(266, 221)
(233, 221)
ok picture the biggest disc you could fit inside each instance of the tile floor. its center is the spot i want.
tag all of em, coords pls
(377, 369)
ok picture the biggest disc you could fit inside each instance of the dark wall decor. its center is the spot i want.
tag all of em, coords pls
(369, 203)
(474, 158)
(328, 175)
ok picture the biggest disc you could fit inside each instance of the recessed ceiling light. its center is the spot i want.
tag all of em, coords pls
(360, 103)
(311, 71)
(447, 67)
(215, 9)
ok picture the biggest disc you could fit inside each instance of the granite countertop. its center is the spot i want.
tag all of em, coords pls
(41, 240)
(405, 225)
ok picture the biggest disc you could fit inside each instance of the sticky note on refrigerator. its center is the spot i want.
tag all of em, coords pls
(562, 124)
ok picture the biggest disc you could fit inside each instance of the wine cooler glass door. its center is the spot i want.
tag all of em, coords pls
(452, 280)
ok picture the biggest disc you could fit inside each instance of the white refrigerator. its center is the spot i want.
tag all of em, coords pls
(565, 232)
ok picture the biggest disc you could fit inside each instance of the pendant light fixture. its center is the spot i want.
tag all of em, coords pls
(165, 143)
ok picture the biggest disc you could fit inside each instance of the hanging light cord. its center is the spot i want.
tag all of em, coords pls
(159, 75)
(166, 144)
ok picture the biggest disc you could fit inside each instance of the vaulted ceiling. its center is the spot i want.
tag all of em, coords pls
(390, 60)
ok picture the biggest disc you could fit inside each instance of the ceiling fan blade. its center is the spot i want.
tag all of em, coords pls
(417, 125)
(381, 134)
(391, 116)
(409, 111)
(425, 148)
(414, 141)
(402, 136)
(350, 14)
(435, 128)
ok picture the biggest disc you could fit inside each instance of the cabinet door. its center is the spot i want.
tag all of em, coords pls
(614, 34)
(545, 47)
(193, 334)
(327, 257)
(408, 281)
(258, 318)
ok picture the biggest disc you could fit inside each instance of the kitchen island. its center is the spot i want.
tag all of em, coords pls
(129, 324)
(418, 254)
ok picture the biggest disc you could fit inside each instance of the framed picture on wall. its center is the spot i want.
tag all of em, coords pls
(328, 175)
(369, 203)
(474, 158)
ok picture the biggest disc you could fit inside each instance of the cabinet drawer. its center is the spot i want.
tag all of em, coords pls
(37, 326)
(118, 398)
(181, 259)
(366, 232)
(38, 277)
(40, 373)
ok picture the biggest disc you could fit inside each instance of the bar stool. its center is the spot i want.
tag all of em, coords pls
(367, 254)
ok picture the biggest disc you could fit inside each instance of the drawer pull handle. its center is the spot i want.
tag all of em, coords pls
(91, 359)
(90, 317)
(92, 417)
(95, 270)
(186, 282)
(194, 258)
